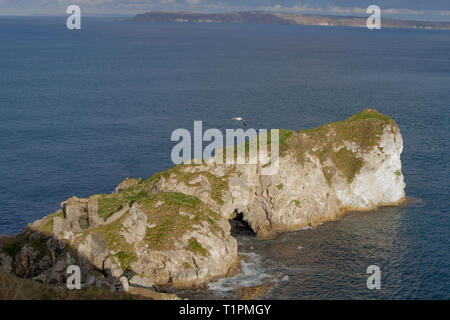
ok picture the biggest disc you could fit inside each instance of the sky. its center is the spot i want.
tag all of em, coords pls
(401, 9)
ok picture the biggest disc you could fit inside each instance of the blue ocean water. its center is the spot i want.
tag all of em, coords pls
(82, 110)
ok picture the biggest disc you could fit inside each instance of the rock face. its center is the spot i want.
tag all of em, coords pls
(251, 293)
(173, 228)
(349, 165)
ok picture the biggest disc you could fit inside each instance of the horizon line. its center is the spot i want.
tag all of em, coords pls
(44, 15)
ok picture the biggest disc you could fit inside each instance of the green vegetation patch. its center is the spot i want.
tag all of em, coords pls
(327, 142)
(195, 246)
(297, 203)
(41, 245)
(125, 259)
(108, 204)
(218, 184)
(13, 245)
(46, 226)
(369, 114)
(283, 136)
(111, 203)
(347, 162)
(111, 234)
(163, 211)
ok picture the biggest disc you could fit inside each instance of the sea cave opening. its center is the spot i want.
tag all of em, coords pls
(240, 227)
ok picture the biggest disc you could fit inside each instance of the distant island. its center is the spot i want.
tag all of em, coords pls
(265, 17)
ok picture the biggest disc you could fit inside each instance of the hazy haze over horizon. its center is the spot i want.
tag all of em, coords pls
(438, 10)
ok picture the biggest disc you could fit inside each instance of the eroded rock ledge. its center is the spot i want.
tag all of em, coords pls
(173, 228)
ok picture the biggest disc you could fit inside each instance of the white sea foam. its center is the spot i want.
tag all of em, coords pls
(252, 274)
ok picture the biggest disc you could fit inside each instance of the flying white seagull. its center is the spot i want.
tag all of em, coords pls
(240, 119)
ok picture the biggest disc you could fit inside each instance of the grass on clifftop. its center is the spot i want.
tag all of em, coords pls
(217, 184)
(115, 241)
(172, 214)
(283, 136)
(327, 142)
(111, 203)
(46, 225)
(362, 130)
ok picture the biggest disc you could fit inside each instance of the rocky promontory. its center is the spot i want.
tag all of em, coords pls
(173, 228)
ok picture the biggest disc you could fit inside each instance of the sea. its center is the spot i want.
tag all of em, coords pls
(80, 110)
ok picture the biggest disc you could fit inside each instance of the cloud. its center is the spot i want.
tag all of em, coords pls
(193, 2)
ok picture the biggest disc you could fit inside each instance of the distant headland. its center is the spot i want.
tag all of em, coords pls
(266, 17)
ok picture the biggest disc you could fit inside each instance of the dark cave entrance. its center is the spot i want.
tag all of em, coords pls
(239, 227)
